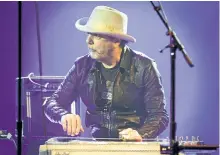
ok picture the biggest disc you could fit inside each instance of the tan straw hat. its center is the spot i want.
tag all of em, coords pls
(106, 20)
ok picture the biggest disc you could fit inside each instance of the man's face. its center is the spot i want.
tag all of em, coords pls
(101, 46)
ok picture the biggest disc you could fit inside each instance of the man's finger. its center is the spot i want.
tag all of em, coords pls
(78, 124)
(69, 126)
(135, 136)
(125, 131)
(81, 129)
(138, 138)
(73, 125)
(64, 124)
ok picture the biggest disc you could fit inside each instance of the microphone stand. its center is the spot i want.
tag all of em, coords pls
(174, 45)
(19, 121)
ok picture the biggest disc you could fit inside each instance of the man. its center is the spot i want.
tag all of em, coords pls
(120, 87)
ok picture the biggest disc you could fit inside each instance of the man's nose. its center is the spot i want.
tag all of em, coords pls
(89, 39)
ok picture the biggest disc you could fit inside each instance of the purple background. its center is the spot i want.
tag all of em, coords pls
(196, 24)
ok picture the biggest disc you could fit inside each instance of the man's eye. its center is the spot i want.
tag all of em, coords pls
(98, 36)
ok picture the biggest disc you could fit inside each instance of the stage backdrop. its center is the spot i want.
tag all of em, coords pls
(196, 25)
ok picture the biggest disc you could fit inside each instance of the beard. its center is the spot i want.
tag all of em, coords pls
(100, 55)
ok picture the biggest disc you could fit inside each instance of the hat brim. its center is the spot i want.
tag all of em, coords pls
(81, 25)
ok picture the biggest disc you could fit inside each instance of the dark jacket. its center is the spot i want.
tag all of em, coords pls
(138, 97)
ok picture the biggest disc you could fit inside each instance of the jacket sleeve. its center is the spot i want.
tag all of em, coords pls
(54, 107)
(154, 101)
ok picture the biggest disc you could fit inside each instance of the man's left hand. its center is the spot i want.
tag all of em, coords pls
(130, 134)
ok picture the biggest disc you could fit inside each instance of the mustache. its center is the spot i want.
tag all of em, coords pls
(96, 51)
(91, 49)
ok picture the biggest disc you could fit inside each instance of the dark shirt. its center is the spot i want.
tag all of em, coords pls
(104, 101)
(105, 86)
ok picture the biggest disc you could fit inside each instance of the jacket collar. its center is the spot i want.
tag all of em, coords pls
(126, 59)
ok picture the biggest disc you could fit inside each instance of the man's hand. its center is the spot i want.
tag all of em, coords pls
(71, 124)
(130, 134)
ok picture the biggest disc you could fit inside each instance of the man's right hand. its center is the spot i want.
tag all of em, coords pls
(71, 124)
